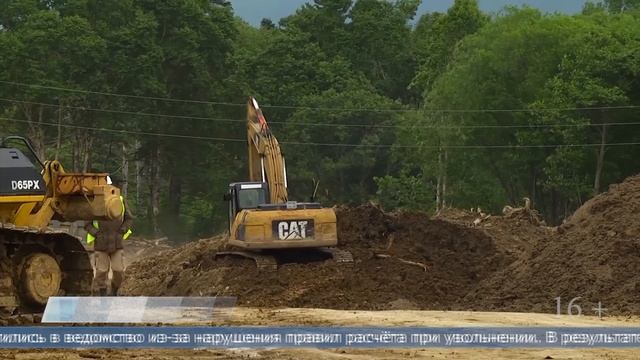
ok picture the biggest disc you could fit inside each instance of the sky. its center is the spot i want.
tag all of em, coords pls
(253, 11)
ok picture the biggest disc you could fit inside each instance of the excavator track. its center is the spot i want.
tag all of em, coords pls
(36, 264)
(263, 262)
(269, 261)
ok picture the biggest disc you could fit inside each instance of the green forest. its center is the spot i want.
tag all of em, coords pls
(458, 109)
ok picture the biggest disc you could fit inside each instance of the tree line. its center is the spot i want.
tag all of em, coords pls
(369, 101)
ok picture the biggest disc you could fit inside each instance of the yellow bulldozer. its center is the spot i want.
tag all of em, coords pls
(37, 261)
(263, 222)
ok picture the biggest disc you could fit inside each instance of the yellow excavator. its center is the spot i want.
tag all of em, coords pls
(37, 261)
(263, 222)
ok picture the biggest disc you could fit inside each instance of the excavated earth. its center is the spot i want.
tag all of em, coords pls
(457, 260)
(425, 264)
(594, 255)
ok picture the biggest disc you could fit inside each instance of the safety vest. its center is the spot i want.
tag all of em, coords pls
(96, 224)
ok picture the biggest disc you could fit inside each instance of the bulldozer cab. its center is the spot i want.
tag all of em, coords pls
(18, 175)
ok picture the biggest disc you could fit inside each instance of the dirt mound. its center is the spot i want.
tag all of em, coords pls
(506, 263)
(514, 235)
(138, 248)
(525, 214)
(390, 251)
(456, 215)
(595, 255)
(158, 275)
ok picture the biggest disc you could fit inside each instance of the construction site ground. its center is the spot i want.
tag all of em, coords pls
(458, 268)
(323, 317)
(456, 260)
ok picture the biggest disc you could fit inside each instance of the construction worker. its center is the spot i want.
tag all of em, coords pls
(107, 238)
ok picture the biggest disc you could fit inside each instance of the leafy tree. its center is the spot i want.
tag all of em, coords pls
(463, 110)
(345, 172)
(494, 69)
(46, 48)
(617, 6)
(378, 47)
(595, 73)
(437, 35)
(324, 21)
(404, 191)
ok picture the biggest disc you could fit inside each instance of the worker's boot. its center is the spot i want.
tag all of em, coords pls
(114, 291)
(102, 292)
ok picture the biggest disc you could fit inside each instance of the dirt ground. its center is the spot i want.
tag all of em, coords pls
(407, 262)
(323, 317)
(138, 248)
(402, 261)
(594, 255)
(314, 354)
(457, 260)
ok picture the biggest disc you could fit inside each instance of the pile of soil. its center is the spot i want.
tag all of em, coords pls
(501, 263)
(514, 236)
(594, 255)
(456, 258)
(138, 248)
(456, 215)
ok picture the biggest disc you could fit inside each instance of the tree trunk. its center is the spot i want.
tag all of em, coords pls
(600, 159)
(533, 177)
(444, 180)
(59, 137)
(439, 182)
(105, 160)
(87, 141)
(505, 183)
(554, 207)
(154, 189)
(36, 133)
(125, 172)
(74, 152)
(138, 173)
(175, 195)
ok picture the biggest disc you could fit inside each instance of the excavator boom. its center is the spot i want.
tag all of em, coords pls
(266, 160)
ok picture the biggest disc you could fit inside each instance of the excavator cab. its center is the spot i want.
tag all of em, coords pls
(245, 195)
(248, 195)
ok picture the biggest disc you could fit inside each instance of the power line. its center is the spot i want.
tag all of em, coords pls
(117, 131)
(517, 110)
(194, 137)
(427, 126)
(37, 86)
(82, 108)
(221, 103)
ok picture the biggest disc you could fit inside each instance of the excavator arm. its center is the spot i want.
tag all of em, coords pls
(266, 161)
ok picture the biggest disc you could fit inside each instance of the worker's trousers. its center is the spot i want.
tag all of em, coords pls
(102, 262)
